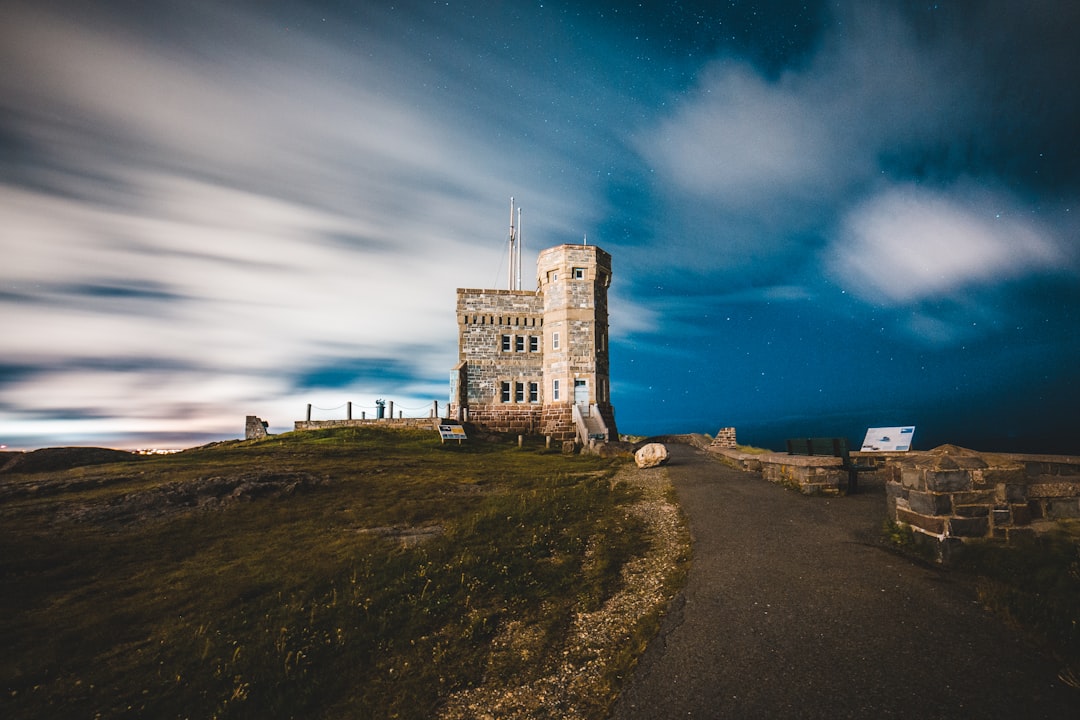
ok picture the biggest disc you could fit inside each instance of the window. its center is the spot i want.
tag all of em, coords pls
(534, 343)
(519, 343)
(506, 392)
(519, 392)
(602, 341)
(579, 273)
(553, 276)
(506, 343)
(555, 390)
(534, 392)
(555, 340)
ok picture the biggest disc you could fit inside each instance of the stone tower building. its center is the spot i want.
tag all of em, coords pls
(537, 361)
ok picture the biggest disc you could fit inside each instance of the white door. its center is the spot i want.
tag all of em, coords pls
(581, 396)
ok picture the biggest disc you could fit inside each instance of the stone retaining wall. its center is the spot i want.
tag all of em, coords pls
(809, 475)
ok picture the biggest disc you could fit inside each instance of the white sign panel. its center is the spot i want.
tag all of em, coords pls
(890, 439)
(452, 432)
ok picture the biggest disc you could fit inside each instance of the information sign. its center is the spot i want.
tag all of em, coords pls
(452, 432)
(888, 439)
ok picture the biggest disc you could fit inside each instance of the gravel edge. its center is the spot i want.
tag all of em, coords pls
(579, 686)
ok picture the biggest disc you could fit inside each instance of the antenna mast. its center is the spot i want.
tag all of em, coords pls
(510, 268)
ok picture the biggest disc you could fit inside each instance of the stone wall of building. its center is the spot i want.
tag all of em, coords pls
(525, 356)
(558, 422)
(485, 319)
(508, 418)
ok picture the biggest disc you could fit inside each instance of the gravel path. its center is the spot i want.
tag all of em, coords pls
(793, 609)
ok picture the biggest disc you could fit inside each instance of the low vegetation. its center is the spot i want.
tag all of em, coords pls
(1032, 582)
(1035, 583)
(347, 573)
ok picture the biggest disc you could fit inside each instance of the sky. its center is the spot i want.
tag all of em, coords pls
(822, 216)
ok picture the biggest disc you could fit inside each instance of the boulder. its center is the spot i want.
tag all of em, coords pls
(651, 455)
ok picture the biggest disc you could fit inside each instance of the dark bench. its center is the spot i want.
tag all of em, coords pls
(830, 447)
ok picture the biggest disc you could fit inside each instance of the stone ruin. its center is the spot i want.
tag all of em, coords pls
(255, 429)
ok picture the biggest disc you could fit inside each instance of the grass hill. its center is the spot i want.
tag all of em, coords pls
(53, 459)
(346, 573)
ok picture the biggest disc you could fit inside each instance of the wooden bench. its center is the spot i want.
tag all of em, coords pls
(830, 447)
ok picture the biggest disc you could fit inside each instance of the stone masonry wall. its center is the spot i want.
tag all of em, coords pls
(484, 318)
(510, 418)
(810, 475)
(725, 438)
(507, 342)
(255, 428)
(558, 422)
(952, 494)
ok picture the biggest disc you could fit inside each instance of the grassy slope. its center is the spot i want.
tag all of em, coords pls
(321, 603)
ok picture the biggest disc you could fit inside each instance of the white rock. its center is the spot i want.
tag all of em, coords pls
(651, 455)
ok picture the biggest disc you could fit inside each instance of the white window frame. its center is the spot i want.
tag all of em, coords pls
(504, 392)
(507, 343)
(519, 392)
(555, 390)
(555, 340)
(519, 343)
(534, 343)
(534, 392)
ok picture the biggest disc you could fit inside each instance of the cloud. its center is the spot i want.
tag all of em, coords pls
(208, 205)
(908, 243)
(741, 138)
(768, 147)
(266, 200)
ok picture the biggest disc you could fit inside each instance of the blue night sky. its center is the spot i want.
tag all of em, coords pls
(823, 216)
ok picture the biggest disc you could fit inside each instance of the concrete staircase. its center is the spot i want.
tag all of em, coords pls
(590, 425)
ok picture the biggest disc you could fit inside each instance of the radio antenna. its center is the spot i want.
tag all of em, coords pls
(510, 267)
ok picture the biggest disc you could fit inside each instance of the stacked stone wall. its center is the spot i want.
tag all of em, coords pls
(725, 439)
(511, 418)
(557, 421)
(255, 428)
(810, 475)
(953, 494)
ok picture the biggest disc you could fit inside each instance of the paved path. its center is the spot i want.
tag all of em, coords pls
(792, 609)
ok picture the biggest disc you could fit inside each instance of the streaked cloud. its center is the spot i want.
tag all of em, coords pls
(907, 243)
(214, 209)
